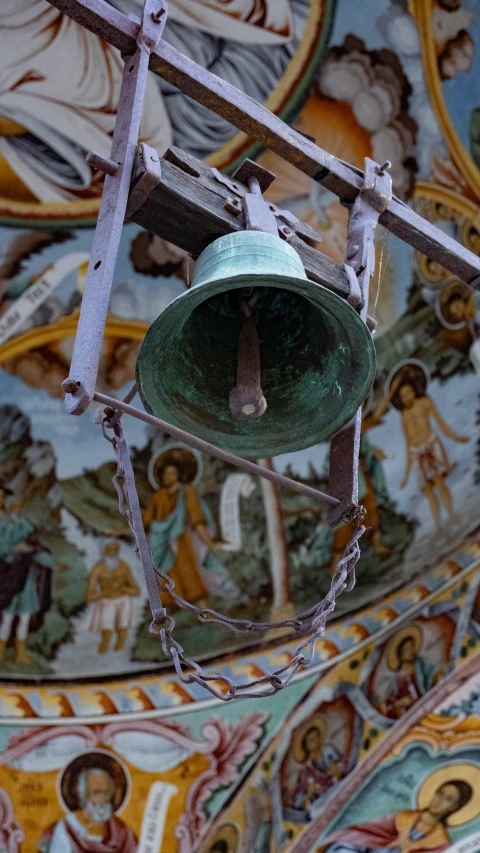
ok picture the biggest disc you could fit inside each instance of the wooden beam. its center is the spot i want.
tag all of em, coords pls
(184, 201)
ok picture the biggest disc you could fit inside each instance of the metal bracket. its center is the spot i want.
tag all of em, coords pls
(370, 203)
(257, 211)
(288, 225)
(80, 385)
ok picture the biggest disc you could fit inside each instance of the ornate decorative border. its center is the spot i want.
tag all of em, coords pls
(379, 752)
(40, 336)
(154, 694)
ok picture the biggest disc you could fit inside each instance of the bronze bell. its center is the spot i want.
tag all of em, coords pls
(255, 358)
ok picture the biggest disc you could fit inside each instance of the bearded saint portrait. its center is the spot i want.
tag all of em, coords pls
(94, 787)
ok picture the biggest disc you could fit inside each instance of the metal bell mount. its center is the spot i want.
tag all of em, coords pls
(255, 349)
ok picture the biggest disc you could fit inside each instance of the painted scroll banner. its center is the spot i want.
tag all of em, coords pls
(154, 816)
(234, 487)
(35, 295)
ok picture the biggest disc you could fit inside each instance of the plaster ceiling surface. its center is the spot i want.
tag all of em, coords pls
(373, 80)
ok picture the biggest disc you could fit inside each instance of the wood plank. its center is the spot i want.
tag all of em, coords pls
(190, 212)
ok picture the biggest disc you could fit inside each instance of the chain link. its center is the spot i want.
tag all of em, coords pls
(312, 622)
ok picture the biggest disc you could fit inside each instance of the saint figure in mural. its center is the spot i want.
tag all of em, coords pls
(456, 307)
(413, 677)
(319, 767)
(111, 588)
(25, 572)
(457, 304)
(445, 798)
(179, 524)
(48, 120)
(425, 451)
(93, 788)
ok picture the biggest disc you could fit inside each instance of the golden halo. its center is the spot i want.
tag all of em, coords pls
(467, 773)
(227, 833)
(187, 460)
(411, 371)
(412, 631)
(451, 290)
(317, 722)
(93, 759)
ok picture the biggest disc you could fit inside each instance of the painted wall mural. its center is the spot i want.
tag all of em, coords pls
(113, 763)
(100, 742)
(74, 582)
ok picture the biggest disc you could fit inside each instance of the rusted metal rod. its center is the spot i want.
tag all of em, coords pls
(246, 400)
(206, 447)
(269, 130)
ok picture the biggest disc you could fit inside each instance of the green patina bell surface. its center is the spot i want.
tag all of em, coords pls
(317, 356)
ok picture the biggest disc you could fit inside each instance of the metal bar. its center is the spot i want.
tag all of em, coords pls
(206, 447)
(360, 257)
(259, 124)
(80, 385)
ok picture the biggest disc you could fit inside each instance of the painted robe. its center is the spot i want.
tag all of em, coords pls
(317, 777)
(25, 577)
(52, 111)
(177, 550)
(70, 836)
(393, 833)
(59, 86)
(412, 686)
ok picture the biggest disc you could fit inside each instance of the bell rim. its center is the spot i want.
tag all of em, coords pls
(200, 293)
(266, 280)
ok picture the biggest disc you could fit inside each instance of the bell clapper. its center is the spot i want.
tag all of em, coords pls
(246, 400)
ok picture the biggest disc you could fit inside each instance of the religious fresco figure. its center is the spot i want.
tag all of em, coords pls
(111, 588)
(180, 526)
(413, 674)
(93, 787)
(456, 307)
(449, 796)
(48, 120)
(425, 451)
(318, 766)
(25, 572)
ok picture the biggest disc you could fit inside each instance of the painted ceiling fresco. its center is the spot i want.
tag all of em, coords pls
(387, 79)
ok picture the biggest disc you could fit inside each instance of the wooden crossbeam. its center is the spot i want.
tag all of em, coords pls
(180, 198)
